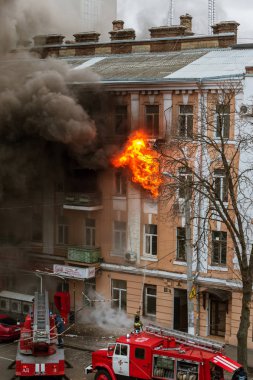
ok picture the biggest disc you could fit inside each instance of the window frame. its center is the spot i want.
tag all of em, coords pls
(219, 248)
(122, 234)
(120, 183)
(220, 185)
(184, 178)
(152, 119)
(120, 287)
(150, 240)
(185, 122)
(147, 298)
(222, 121)
(121, 120)
(181, 241)
(90, 233)
(62, 231)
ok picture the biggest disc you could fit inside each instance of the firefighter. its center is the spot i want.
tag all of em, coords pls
(60, 329)
(240, 374)
(137, 322)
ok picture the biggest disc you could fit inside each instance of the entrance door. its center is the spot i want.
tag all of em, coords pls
(180, 310)
(218, 310)
(120, 360)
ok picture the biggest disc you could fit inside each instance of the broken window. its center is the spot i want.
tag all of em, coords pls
(152, 120)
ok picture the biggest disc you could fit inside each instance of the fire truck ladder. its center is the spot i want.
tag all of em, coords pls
(41, 326)
(185, 338)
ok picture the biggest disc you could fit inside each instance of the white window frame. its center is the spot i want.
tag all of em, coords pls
(122, 293)
(224, 115)
(187, 117)
(148, 241)
(223, 191)
(152, 120)
(90, 233)
(119, 235)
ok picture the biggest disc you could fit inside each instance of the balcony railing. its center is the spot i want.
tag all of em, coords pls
(86, 201)
(87, 255)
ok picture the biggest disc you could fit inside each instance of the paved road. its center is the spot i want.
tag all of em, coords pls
(77, 358)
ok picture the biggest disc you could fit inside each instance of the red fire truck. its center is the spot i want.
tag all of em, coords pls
(161, 354)
(38, 354)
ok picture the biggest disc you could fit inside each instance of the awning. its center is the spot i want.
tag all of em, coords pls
(223, 295)
(225, 363)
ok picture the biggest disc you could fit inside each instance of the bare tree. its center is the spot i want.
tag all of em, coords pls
(212, 154)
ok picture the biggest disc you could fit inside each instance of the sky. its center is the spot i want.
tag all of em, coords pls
(142, 14)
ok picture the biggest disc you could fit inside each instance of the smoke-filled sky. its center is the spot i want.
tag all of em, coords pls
(142, 14)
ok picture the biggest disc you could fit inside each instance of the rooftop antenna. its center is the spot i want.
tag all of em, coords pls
(171, 13)
(211, 15)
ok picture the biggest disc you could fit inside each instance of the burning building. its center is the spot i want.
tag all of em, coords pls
(104, 226)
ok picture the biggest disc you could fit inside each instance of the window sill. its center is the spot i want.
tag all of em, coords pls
(218, 268)
(117, 254)
(149, 258)
(119, 197)
(178, 262)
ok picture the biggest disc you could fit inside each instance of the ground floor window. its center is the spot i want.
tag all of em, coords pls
(90, 292)
(149, 300)
(119, 294)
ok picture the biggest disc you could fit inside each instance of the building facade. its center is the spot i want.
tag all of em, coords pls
(100, 219)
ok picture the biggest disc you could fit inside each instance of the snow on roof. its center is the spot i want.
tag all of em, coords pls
(216, 64)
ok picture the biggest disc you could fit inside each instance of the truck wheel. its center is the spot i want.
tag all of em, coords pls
(102, 374)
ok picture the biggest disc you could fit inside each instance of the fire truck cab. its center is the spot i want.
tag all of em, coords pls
(161, 354)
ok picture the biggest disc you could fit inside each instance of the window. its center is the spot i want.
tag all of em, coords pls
(149, 300)
(121, 121)
(119, 292)
(37, 224)
(120, 183)
(121, 349)
(185, 121)
(185, 182)
(222, 120)
(139, 353)
(220, 185)
(63, 231)
(219, 247)
(119, 236)
(152, 119)
(90, 232)
(150, 243)
(181, 244)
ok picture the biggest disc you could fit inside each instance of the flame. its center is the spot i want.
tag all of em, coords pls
(142, 161)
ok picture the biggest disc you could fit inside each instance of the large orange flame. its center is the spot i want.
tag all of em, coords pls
(142, 161)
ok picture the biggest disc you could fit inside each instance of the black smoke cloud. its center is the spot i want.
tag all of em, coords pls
(43, 126)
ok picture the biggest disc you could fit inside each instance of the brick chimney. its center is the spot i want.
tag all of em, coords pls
(48, 39)
(117, 25)
(186, 21)
(225, 27)
(167, 31)
(86, 37)
(119, 33)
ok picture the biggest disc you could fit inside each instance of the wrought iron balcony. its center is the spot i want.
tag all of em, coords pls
(83, 201)
(86, 255)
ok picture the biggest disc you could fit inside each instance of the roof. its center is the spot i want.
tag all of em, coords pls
(138, 66)
(16, 296)
(195, 64)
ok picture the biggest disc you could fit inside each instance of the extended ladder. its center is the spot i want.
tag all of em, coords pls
(41, 324)
(188, 339)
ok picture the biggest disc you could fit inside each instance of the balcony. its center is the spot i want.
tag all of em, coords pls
(83, 201)
(84, 255)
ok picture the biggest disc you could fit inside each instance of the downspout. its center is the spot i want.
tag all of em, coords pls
(201, 105)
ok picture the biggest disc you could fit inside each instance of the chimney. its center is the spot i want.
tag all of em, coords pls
(225, 27)
(186, 21)
(86, 37)
(167, 31)
(119, 33)
(117, 25)
(48, 39)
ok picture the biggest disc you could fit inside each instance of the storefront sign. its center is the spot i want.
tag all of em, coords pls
(74, 272)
